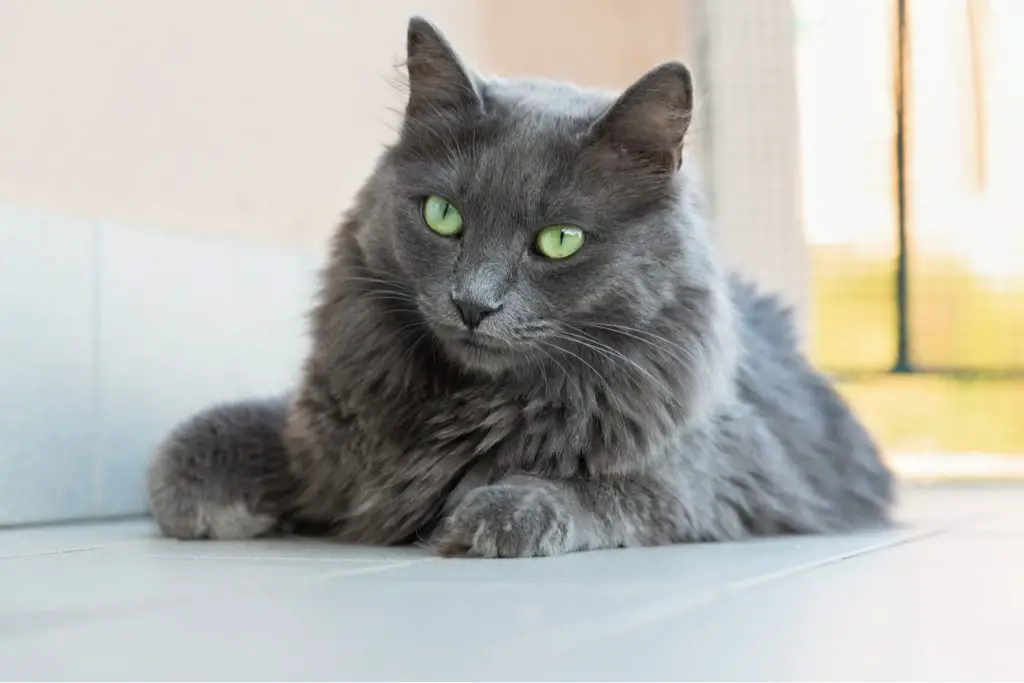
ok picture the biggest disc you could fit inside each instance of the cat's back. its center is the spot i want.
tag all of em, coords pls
(817, 428)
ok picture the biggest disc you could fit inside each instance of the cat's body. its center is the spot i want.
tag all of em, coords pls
(631, 394)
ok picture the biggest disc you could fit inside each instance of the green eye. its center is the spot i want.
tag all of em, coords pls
(441, 217)
(559, 241)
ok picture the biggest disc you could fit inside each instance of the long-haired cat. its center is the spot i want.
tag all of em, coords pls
(526, 343)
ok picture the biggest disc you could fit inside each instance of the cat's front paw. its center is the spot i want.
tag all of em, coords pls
(508, 520)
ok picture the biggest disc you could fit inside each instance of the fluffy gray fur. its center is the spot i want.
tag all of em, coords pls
(633, 394)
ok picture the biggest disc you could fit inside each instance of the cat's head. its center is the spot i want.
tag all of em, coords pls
(526, 214)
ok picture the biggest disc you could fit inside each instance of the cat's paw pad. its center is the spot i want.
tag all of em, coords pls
(507, 520)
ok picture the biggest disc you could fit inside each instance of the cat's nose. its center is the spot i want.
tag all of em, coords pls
(472, 311)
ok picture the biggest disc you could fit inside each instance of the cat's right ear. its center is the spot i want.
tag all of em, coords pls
(649, 120)
(438, 80)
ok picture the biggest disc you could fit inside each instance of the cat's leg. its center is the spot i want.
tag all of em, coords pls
(525, 516)
(222, 473)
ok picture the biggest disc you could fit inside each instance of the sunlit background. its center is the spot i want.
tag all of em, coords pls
(170, 172)
(958, 388)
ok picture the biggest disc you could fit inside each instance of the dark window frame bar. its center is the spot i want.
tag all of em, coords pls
(903, 363)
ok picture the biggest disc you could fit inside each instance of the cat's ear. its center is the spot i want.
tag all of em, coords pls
(648, 121)
(438, 80)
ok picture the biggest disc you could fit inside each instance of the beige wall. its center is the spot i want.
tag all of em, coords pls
(254, 118)
(602, 43)
(259, 118)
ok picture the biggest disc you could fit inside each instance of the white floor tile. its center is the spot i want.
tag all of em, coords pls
(935, 598)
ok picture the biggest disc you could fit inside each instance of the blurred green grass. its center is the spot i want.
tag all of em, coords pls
(929, 414)
(957, 320)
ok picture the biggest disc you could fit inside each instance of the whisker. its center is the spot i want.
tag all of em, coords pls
(389, 297)
(554, 360)
(391, 284)
(581, 359)
(634, 333)
(612, 354)
(412, 345)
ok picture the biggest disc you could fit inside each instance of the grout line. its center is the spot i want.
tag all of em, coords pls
(204, 557)
(78, 522)
(75, 616)
(372, 569)
(548, 643)
(96, 394)
(75, 549)
(45, 553)
(275, 558)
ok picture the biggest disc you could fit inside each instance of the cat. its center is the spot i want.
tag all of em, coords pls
(525, 344)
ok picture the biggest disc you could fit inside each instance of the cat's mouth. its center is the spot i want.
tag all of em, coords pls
(482, 342)
(480, 351)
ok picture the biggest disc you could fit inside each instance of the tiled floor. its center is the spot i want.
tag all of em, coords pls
(941, 597)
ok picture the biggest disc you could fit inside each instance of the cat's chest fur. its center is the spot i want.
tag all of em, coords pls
(382, 466)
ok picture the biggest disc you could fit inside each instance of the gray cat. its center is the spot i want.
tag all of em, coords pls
(526, 344)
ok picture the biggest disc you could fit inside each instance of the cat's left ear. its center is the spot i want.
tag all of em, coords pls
(648, 121)
(438, 80)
